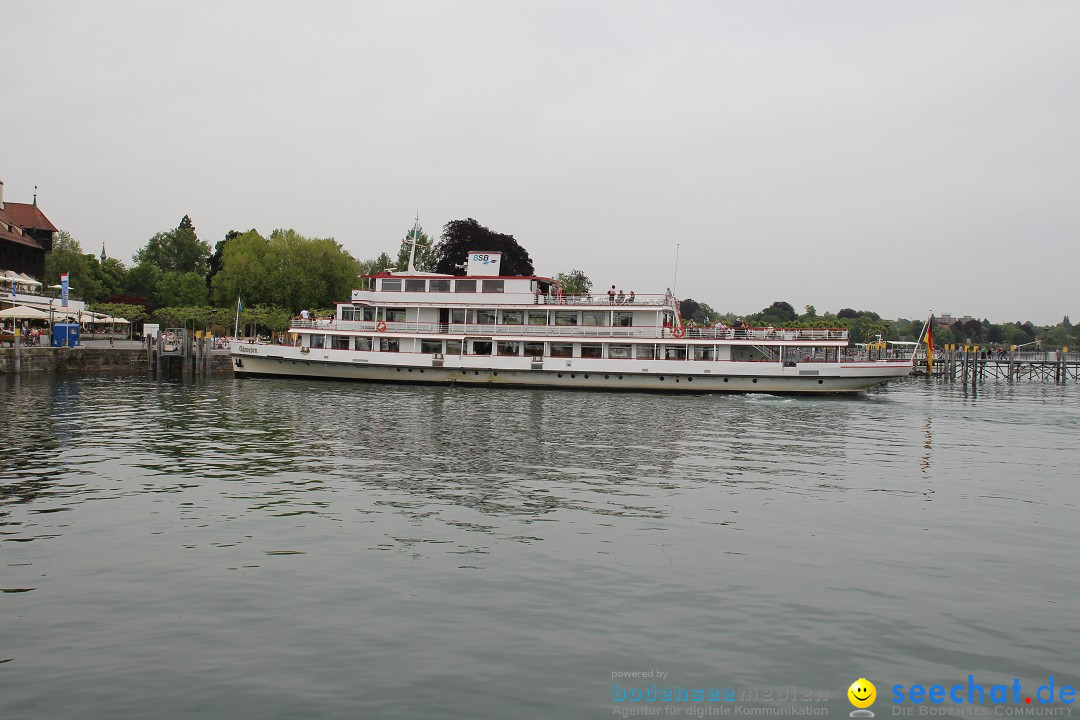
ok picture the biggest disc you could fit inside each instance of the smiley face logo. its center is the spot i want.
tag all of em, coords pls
(862, 693)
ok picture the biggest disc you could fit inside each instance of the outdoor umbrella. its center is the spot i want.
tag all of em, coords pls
(22, 312)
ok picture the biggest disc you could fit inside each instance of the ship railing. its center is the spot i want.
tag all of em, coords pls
(585, 331)
(518, 298)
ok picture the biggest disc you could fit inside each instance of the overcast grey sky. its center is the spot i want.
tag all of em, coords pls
(894, 156)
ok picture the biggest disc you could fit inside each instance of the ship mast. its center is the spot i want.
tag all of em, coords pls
(413, 238)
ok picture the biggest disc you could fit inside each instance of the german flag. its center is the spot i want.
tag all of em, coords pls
(930, 346)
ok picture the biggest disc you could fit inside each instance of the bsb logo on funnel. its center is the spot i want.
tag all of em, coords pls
(862, 695)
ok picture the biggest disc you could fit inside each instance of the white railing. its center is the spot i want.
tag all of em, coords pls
(756, 336)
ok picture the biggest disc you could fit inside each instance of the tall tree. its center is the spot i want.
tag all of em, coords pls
(460, 237)
(176, 250)
(214, 265)
(425, 257)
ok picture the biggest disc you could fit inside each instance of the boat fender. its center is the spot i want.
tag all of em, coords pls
(380, 326)
(679, 331)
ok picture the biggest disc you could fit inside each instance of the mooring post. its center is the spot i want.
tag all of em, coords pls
(18, 349)
(157, 354)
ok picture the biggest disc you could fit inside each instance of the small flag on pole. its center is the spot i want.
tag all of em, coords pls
(930, 346)
(12, 288)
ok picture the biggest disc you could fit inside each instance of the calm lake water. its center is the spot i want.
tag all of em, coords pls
(292, 549)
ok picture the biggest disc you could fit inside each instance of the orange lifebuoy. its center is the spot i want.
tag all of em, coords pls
(380, 326)
(679, 331)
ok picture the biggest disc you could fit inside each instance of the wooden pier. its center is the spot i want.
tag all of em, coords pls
(975, 364)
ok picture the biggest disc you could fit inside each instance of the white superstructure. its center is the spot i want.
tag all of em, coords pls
(498, 330)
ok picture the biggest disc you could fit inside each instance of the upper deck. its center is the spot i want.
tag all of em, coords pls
(477, 291)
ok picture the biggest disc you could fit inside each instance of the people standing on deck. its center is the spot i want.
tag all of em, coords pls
(611, 295)
(304, 314)
(621, 298)
(631, 296)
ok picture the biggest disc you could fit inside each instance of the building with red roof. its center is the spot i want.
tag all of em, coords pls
(25, 236)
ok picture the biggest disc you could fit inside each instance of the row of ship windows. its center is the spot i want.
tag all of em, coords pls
(457, 316)
(420, 285)
(519, 348)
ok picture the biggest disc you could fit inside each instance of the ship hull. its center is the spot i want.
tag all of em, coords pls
(660, 376)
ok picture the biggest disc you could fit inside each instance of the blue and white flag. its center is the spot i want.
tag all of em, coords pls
(63, 290)
(12, 288)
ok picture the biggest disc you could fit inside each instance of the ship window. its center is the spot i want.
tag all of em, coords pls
(363, 343)
(645, 352)
(493, 286)
(512, 317)
(414, 285)
(534, 349)
(388, 285)
(623, 319)
(675, 352)
(704, 352)
(561, 350)
(369, 313)
(457, 316)
(592, 350)
(347, 312)
(565, 318)
(538, 317)
(431, 346)
(339, 342)
(438, 286)
(485, 317)
(481, 347)
(465, 286)
(387, 345)
(594, 319)
(318, 341)
(395, 314)
(619, 352)
(453, 347)
(509, 348)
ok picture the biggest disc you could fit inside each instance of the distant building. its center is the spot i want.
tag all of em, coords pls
(25, 236)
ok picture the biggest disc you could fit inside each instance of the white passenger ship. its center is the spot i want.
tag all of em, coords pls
(484, 328)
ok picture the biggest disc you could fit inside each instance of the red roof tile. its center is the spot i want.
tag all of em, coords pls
(15, 237)
(26, 216)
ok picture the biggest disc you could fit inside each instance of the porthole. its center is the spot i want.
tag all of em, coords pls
(620, 377)
(755, 379)
(607, 377)
(410, 369)
(689, 379)
(586, 377)
(477, 372)
(495, 373)
(573, 375)
(661, 378)
(726, 379)
(399, 369)
(560, 374)
(819, 382)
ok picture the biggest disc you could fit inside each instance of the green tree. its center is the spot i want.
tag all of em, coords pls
(574, 282)
(425, 257)
(142, 280)
(286, 270)
(214, 264)
(460, 237)
(177, 250)
(376, 265)
(180, 289)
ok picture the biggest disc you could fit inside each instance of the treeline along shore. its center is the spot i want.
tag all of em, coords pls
(178, 280)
